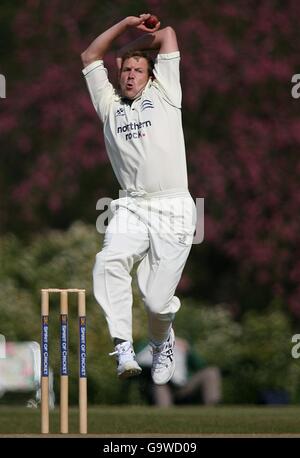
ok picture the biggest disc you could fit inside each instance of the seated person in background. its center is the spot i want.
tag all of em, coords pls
(191, 378)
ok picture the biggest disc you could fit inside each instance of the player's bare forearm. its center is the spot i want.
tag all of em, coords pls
(98, 48)
(102, 43)
(163, 40)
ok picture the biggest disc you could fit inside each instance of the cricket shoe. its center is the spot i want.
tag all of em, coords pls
(163, 365)
(127, 365)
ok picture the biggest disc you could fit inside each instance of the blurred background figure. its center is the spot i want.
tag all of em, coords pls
(20, 373)
(193, 380)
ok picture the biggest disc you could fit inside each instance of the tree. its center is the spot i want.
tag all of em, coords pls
(241, 125)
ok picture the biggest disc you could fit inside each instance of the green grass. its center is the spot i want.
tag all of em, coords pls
(176, 420)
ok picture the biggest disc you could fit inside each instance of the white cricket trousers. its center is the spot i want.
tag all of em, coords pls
(157, 231)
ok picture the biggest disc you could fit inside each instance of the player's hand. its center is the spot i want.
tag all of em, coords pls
(138, 22)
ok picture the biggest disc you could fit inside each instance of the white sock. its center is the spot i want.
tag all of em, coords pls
(159, 326)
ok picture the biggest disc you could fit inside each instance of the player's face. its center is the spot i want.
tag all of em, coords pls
(134, 77)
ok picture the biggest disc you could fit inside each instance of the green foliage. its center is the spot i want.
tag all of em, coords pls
(61, 259)
(253, 354)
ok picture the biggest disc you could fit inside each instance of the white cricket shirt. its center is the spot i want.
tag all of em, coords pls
(144, 140)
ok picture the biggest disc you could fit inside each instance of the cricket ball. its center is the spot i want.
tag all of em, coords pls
(151, 22)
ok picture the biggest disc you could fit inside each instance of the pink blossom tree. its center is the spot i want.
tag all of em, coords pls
(242, 130)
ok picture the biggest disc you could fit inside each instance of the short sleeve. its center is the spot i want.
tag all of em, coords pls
(101, 90)
(166, 72)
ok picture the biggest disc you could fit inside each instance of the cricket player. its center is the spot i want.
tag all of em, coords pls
(154, 220)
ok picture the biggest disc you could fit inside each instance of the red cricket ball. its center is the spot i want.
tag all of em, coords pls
(151, 22)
